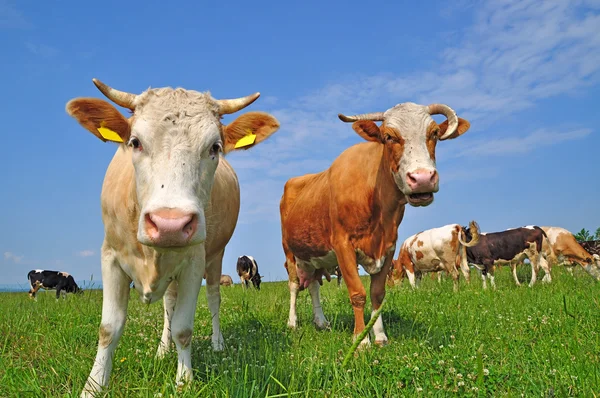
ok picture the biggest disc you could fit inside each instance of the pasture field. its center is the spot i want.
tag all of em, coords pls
(515, 341)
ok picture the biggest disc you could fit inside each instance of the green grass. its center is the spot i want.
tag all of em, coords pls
(510, 342)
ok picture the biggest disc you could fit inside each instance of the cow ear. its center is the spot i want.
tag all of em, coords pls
(463, 126)
(248, 130)
(100, 118)
(368, 130)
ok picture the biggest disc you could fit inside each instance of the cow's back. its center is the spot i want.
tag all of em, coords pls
(120, 209)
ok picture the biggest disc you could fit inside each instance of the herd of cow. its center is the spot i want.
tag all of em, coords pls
(170, 204)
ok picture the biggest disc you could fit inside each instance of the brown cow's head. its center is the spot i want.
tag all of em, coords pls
(175, 139)
(410, 135)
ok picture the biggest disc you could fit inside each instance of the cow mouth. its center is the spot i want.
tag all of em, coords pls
(420, 199)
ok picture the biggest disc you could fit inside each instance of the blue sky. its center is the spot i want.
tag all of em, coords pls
(525, 74)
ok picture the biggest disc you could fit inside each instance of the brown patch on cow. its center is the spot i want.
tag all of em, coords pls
(394, 144)
(454, 239)
(420, 243)
(433, 132)
(105, 336)
(184, 337)
(93, 113)
(419, 254)
(261, 124)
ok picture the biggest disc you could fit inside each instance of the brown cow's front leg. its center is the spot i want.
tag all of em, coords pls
(377, 296)
(346, 257)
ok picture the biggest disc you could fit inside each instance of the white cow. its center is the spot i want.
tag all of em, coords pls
(435, 250)
(170, 204)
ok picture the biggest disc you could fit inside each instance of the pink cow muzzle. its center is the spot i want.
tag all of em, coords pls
(422, 184)
(170, 227)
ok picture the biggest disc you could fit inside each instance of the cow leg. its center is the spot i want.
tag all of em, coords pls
(491, 275)
(533, 257)
(294, 286)
(455, 275)
(546, 267)
(115, 295)
(169, 300)
(346, 257)
(319, 317)
(213, 297)
(439, 277)
(483, 277)
(513, 268)
(411, 278)
(464, 264)
(377, 296)
(189, 280)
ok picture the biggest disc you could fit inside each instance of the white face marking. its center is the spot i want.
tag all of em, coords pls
(175, 167)
(411, 121)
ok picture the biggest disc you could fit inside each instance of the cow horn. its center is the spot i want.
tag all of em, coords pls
(441, 109)
(228, 106)
(375, 116)
(121, 98)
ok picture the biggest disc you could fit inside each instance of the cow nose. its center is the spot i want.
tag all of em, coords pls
(422, 180)
(170, 227)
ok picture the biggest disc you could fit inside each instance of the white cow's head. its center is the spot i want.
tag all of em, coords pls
(410, 135)
(176, 140)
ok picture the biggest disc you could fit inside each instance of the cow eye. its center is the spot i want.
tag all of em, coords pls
(216, 148)
(389, 138)
(135, 143)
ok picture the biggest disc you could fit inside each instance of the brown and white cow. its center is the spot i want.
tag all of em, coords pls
(435, 250)
(509, 247)
(563, 246)
(170, 203)
(349, 214)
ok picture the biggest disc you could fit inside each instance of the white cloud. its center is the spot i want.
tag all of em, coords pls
(519, 145)
(13, 257)
(85, 253)
(514, 55)
(42, 50)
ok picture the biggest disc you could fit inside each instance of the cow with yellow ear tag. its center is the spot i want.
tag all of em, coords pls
(170, 203)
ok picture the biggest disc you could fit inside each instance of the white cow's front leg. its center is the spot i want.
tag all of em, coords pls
(115, 296)
(213, 297)
(319, 317)
(169, 301)
(293, 317)
(182, 325)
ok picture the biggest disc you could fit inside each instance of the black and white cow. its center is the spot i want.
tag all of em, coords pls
(51, 280)
(591, 246)
(247, 269)
(509, 247)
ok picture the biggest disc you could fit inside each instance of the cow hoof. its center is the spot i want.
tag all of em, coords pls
(323, 325)
(381, 343)
(291, 324)
(218, 344)
(364, 344)
(161, 352)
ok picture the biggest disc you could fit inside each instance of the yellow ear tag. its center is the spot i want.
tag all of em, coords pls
(246, 140)
(109, 135)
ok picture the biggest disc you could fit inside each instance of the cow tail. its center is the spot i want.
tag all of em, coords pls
(474, 229)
